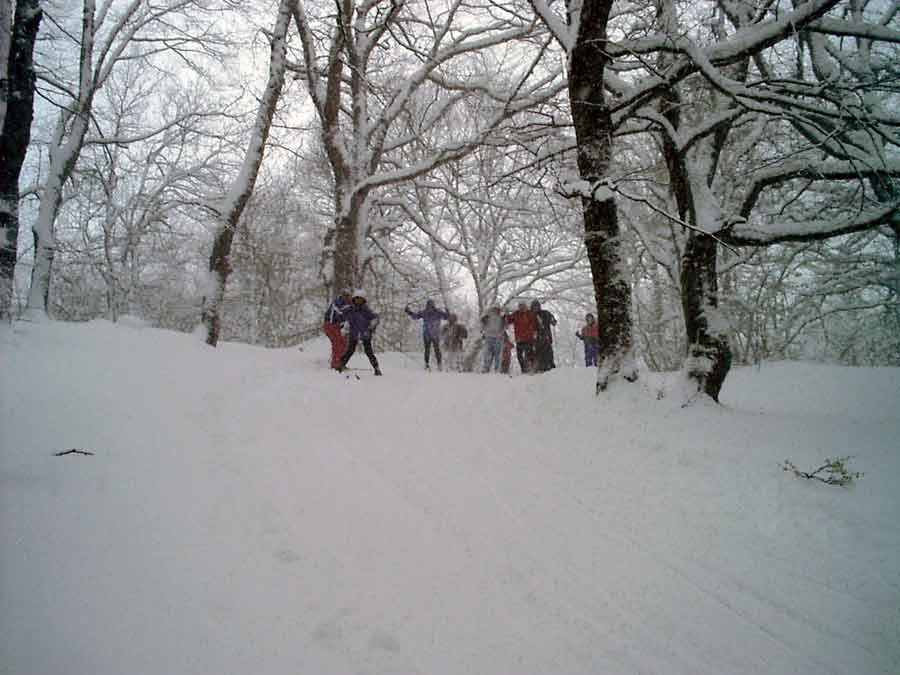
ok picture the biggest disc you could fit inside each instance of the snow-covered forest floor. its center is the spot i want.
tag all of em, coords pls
(250, 511)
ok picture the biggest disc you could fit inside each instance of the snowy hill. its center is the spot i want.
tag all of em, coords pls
(250, 511)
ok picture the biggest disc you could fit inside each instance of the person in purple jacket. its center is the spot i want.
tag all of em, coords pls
(431, 329)
(361, 322)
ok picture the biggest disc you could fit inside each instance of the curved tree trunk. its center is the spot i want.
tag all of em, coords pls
(232, 206)
(18, 95)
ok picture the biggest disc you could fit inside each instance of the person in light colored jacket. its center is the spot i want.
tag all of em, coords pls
(493, 329)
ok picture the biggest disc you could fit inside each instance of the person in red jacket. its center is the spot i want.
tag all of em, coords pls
(524, 323)
(590, 335)
(334, 318)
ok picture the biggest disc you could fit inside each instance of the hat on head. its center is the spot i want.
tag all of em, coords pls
(359, 293)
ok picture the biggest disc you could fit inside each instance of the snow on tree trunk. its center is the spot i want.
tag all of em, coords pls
(17, 113)
(709, 354)
(232, 205)
(593, 131)
(64, 152)
(348, 236)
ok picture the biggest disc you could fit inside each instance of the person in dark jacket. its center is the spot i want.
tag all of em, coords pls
(524, 328)
(431, 329)
(362, 322)
(543, 342)
(334, 318)
(590, 335)
(506, 354)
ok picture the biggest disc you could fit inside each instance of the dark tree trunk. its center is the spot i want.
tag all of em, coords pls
(593, 133)
(18, 90)
(709, 354)
(346, 256)
(219, 269)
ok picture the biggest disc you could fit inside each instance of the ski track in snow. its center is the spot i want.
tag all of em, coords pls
(250, 510)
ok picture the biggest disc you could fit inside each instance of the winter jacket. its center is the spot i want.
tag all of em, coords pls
(492, 325)
(453, 335)
(336, 310)
(545, 320)
(590, 333)
(361, 319)
(431, 320)
(524, 324)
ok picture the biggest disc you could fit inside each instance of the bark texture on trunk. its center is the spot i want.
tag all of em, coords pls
(593, 131)
(18, 92)
(709, 354)
(347, 273)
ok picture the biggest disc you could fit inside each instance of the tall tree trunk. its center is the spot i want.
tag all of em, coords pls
(350, 208)
(593, 132)
(232, 206)
(65, 148)
(709, 354)
(18, 111)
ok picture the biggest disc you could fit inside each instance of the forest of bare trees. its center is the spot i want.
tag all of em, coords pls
(716, 181)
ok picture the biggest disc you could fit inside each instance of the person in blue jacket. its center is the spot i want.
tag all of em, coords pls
(431, 329)
(361, 322)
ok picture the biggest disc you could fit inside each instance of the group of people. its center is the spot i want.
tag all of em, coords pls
(533, 332)
(532, 329)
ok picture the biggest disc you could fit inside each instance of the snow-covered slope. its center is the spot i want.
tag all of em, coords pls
(250, 511)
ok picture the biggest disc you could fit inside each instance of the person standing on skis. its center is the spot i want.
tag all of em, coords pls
(525, 329)
(431, 329)
(493, 329)
(590, 335)
(362, 322)
(334, 318)
(454, 334)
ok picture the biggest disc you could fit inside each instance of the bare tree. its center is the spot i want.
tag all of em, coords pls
(638, 71)
(229, 208)
(16, 113)
(385, 77)
(112, 34)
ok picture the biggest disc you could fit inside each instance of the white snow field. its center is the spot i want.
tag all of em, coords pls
(248, 511)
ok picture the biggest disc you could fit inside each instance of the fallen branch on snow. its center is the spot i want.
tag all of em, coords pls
(73, 451)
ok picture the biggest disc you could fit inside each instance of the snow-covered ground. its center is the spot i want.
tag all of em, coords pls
(248, 511)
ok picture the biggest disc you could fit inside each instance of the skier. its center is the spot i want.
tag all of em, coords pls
(493, 330)
(543, 344)
(362, 322)
(334, 318)
(524, 327)
(590, 335)
(431, 329)
(454, 334)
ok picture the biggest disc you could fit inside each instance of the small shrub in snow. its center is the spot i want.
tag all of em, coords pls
(832, 472)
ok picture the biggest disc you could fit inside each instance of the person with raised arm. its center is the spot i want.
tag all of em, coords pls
(431, 318)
